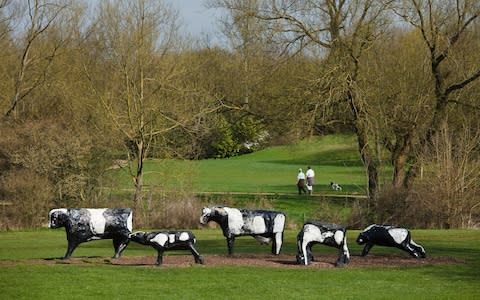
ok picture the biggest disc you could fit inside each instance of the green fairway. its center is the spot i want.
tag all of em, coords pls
(264, 179)
(22, 279)
(273, 170)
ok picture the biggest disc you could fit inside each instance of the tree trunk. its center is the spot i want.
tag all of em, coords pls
(138, 197)
(399, 175)
(369, 164)
(364, 148)
(400, 157)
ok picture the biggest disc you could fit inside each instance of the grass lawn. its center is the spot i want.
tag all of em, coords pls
(30, 268)
(265, 178)
(273, 170)
(22, 279)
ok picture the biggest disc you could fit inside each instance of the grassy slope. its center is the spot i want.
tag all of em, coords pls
(273, 170)
(334, 158)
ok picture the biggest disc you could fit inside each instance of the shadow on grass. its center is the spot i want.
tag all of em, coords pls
(466, 272)
(324, 163)
(82, 259)
(334, 158)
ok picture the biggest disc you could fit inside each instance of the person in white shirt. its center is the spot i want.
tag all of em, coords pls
(310, 175)
(301, 182)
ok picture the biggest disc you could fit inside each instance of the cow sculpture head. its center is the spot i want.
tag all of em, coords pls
(362, 238)
(57, 218)
(211, 213)
(139, 237)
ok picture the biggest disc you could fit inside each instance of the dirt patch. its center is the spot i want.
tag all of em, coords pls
(258, 260)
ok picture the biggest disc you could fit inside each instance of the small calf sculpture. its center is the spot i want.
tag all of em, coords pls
(263, 225)
(390, 236)
(335, 186)
(86, 224)
(314, 232)
(168, 240)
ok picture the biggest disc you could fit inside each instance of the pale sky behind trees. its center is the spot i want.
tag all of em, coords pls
(198, 20)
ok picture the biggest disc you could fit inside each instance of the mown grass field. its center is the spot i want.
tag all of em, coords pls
(30, 267)
(20, 278)
(272, 170)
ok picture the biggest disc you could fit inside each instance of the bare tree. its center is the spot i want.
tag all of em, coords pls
(395, 81)
(251, 45)
(338, 32)
(448, 34)
(5, 19)
(33, 65)
(141, 84)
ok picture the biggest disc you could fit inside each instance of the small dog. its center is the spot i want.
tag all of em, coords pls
(335, 186)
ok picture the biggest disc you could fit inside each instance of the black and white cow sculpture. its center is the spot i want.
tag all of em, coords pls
(86, 224)
(314, 232)
(263, 225)
(168, 240)
(390, 236)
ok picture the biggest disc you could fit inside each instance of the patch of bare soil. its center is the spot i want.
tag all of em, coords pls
(258, 260)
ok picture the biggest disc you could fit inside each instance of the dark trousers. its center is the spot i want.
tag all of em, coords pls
(301, 186)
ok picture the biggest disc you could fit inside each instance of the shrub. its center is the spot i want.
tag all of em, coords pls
(168, 209)
(446, 193)
(330, 212)
(45, 162)
(29, 200)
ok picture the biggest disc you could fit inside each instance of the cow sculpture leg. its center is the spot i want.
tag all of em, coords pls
(119, 245)
(410, 250)
(419, 250)
(277, 243)
(342, 257)
(160, 256)
(307, 254)
(304, 255)
(367, 248)
(71, 246)
(414, 249)
(230, 243)
(198, 257)
(344, 254)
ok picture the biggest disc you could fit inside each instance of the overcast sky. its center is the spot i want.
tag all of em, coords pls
(196, 18)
